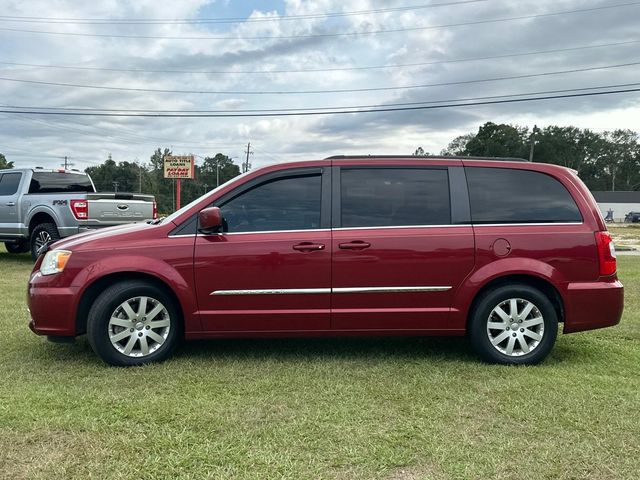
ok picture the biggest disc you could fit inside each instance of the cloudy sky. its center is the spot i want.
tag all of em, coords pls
(266, 55)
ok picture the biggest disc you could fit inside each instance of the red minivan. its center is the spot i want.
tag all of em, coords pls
(499, 250)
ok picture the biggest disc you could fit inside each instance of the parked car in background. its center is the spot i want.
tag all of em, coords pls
(501, 251)
(40, 206)
(632, 217)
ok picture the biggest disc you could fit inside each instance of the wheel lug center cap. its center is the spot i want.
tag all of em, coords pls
(139, 326)
(514, 326)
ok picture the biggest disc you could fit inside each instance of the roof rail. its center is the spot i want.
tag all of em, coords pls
(425, 157)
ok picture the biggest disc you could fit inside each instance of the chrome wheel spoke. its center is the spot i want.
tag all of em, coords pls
(142, 307)
(513, 308)
(510, 345)
(131, 315)
(520, 331)
(532, 322)
(154, 313)
(502, 314)
(132, 341)
(159, 324)
(500, 338)
(144, 346)
(526, 311)
(497, 325)
(155, 336)
(120, 336)
(534, 335)
(524, 346)
(120, 322)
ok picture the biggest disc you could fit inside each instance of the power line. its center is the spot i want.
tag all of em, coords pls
(316, 70)
(308, 92)
(308, 109)
(331, 112)
(119, 136)
(180, 21)
(323, 35)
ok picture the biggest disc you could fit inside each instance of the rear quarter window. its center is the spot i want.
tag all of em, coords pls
(9, 183)
(506, 195)
(59, 182)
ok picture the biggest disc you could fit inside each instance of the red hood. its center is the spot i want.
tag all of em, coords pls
(108, 233)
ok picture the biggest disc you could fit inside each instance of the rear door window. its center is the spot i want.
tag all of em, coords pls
(60, 182)
(9, 183)
(394, 197)
(506, 195)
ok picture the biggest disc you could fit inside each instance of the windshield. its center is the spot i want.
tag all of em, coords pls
(177, 213)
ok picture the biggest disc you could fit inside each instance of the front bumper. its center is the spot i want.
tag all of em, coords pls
(592, 305)
(52, 310)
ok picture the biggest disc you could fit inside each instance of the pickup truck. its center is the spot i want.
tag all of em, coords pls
(39, 206)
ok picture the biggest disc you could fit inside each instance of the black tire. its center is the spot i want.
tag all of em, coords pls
(20, 246)
(481, 336)
(100, 331)
(39, 234)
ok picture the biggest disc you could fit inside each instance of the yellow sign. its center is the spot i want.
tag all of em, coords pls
(181, 166)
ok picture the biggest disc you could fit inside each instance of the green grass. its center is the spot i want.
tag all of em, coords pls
(391, 408)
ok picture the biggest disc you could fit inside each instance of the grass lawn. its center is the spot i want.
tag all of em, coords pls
(332, 408)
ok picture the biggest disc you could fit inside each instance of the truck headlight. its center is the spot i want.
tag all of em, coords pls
(54, 261)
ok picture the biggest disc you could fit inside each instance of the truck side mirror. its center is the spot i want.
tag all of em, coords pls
(210, 220)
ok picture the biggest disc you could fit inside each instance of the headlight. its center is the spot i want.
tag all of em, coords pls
(54, 261)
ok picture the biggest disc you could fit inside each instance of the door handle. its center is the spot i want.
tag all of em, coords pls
(308, 247)
(355, 245)
(10, 204)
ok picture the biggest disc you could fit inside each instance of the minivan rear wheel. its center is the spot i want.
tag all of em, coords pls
(513, 324)
(133, 323)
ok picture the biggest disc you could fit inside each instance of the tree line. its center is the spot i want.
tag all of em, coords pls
(604, 161)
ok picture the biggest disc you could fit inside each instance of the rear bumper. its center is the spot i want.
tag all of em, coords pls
(593, 305)
(52, 310)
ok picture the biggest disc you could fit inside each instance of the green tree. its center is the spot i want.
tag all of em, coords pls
(420, 152)
(457, 146)
(123, 176)
(619, 160)
(498, 140)
(4, 163)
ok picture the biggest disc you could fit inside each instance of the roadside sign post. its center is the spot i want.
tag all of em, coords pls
(178, 167)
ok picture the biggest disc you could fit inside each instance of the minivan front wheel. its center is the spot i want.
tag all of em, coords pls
(133, 323)
(513, 324)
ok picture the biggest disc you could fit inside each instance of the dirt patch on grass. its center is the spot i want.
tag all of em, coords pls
(46, 454)
(429, 472)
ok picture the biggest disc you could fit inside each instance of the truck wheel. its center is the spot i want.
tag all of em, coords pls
(513, 324)
(17, 247)
(133, 323)
(42, 235)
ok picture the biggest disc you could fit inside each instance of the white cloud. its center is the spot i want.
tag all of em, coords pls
(38, 140)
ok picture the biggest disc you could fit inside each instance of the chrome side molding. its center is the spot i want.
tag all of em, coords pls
(311, 291)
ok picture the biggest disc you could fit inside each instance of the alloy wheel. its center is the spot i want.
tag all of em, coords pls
(515, 327)
(139, 326)
(42, 240)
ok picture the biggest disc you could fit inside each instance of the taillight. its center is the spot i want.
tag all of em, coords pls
(155, 210)
(606, 253)
(80, 209)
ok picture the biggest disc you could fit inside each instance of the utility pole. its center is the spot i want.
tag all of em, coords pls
(205, 188)
(246, 166)
(532, 142)
(140, 172)
(217, 173)
(67, 164)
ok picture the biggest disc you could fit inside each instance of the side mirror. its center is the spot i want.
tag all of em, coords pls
(210, 220)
